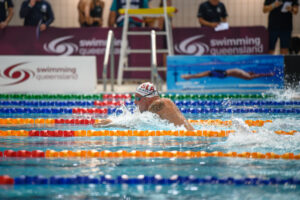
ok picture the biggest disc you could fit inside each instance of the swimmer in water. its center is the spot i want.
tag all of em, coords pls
(147, 99)
(237, 73)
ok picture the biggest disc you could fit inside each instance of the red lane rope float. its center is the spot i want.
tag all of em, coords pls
(24, 153)
(108, 103)
(6, 180)
(124, 133)
(89, 111)
(145, 154)
(26, 121)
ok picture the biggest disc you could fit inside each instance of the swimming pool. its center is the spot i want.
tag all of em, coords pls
(245, 147)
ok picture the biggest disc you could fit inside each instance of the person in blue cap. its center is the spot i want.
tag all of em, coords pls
(148, 100)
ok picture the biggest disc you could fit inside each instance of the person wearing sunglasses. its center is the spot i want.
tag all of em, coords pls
(147, 99)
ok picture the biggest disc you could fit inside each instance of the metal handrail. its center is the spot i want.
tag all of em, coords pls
(155, 78)
(109, 52)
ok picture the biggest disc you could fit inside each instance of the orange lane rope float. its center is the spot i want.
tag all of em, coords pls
(145, 154)
(124, 133)
(218, 122)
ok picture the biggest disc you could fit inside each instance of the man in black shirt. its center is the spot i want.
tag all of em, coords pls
(37, 13)
(280, 23)
(211, 13)
(6, 12)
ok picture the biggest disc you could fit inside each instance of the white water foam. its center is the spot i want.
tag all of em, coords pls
(287, 94)
(142, 121)
(264, 140)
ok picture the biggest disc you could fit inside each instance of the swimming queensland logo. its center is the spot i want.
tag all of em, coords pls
(13, 75)
(61, 46)
(191, 46)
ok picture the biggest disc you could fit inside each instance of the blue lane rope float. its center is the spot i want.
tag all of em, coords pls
(44, 103)
(239, 110)
(143, 180)
(235, 103)
(59, 110)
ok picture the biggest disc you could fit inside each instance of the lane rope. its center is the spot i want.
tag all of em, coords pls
(142, 180)
(109, 111)
(83, 121)
(127, 96)
(113, 102)
(143, 154)
(124, 133)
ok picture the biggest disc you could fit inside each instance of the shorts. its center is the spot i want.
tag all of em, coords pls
(284, 36)
(218, 73)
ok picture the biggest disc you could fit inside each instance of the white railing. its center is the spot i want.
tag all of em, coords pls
(109, 52)
(155, 78)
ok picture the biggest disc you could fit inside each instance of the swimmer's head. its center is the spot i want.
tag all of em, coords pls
(147, 90)
(144, 95)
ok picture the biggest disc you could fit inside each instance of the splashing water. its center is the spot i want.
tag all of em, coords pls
(287, 94)
(264, 140)
(142, 121)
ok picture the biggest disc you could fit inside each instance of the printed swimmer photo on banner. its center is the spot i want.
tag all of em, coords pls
(216, 73)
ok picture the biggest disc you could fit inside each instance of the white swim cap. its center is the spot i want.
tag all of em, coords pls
(147, 90)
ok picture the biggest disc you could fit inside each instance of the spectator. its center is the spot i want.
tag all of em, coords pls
(116, 18)
(6, 12)
(211, 13)
(280, 23)
(37, 13)
(90, 12)
(159, 22)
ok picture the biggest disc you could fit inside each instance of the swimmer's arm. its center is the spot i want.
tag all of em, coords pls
(157, 108)
(108, 123)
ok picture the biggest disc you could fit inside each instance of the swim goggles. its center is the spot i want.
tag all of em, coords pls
(139, 98)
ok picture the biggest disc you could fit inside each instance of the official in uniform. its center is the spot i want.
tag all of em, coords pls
(6, 12)
(211, 13)
(37, 13)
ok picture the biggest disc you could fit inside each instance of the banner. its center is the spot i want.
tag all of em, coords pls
(222, 73)
(92, 41)
(89, 41)
(234, 41)
(47, 74)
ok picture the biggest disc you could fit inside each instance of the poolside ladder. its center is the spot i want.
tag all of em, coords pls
(109, 52)
(125, 50)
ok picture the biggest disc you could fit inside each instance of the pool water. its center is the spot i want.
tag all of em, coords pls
(284, 117)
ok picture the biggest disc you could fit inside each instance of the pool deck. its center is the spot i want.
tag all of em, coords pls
(125, 88)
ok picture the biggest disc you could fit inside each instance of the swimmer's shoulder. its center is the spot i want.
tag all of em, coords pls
(160, 104)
